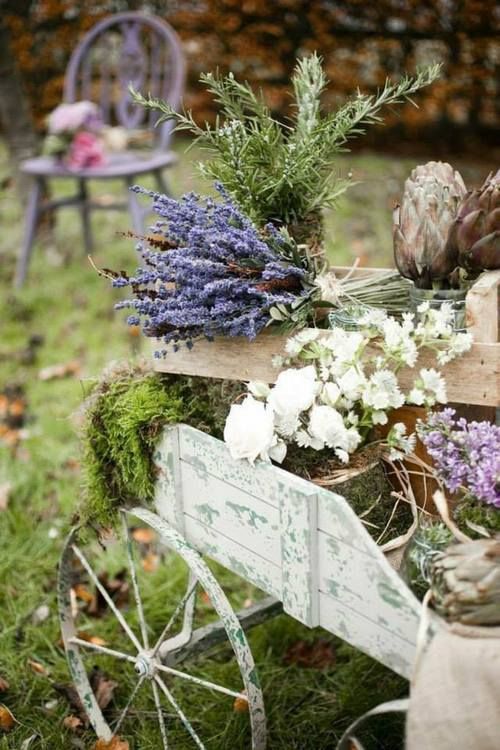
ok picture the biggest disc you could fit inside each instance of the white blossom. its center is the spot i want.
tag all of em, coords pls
(249, 430)
(327, 426)
(382, 391)
(352, 383)
(295, 344)
(294, 390)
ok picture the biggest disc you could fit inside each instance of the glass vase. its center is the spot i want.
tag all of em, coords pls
(436, 297)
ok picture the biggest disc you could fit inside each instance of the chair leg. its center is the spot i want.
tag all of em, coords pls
(85, 215)
(135, 209)
(161, 182)
(32, 216)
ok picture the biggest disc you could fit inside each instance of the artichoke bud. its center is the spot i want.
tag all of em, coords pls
(473, 235)
(465, 582)
(421, 224)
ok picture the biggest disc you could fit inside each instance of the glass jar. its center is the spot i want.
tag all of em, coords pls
(436, 297)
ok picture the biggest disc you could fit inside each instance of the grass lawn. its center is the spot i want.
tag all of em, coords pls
(67, 304)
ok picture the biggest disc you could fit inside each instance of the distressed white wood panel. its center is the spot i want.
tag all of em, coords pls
(395, 652)
(234, 556)
(232, 512)
(168, 487)
(298, 531)
(337, 518)
(364, 585)
(263, 480)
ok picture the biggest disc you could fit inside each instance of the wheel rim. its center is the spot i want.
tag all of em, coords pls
(148, 656)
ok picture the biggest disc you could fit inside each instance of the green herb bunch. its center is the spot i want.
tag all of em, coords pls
(284, 172)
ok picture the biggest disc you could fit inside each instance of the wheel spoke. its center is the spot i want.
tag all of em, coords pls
(102, 649)
(161, 720)
(202, 683)
(123, 714)
(179, 712)
(106, 597)
(177, 611)
(135, 584)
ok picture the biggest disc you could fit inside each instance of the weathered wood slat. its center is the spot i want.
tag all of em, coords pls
(234, 556)
(373, 639)
(232, 512)
(473, 378)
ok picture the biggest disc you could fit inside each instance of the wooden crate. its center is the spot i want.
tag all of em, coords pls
(471, 379)
(298, 542)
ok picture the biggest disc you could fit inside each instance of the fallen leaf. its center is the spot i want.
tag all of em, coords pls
(248, 603)
(103, 687)
(150, 562)
(83, 593)
(4, 685)
(51, 705)
(7, 720)
(63, 370)
(144, 535)
(240, 705)
(95, 639)
(117, 588)
(5, 490)
(40, 614)
(316, 655)
(69, 693)
(72, 722)
(37, 667)
(115, 743)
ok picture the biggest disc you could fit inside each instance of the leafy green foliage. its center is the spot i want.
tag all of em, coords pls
(284, 172)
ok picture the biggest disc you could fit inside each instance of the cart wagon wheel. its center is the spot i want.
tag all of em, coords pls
(152, 657)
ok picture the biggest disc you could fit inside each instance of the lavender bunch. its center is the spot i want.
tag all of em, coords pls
(466, 454)
(207, 271)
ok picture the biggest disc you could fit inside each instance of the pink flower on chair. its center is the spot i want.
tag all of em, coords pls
(86, 150)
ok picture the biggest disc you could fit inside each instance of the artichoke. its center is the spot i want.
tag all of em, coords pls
(428, 207)
(466, 582)
(474, 235)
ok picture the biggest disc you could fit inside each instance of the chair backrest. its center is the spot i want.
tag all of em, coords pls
(128, 48)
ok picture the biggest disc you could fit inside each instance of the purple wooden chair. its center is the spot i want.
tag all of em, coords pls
(124, 48)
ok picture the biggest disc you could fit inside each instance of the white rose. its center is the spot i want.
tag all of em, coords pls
(352, 383)
(327, 426)
(294, 391)
(249, 430)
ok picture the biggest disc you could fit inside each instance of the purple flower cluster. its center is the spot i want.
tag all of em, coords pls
(206, 271)
(466, 454)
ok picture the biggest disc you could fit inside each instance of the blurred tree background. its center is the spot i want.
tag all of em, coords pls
(259, 41)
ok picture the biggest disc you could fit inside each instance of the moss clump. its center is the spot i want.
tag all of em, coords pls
(479, 514)
(369, 492)
(124, 416)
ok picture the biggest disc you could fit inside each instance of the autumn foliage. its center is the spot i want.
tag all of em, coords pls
(259, 40)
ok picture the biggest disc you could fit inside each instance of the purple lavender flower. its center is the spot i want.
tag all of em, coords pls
(206, 272)
(466, 454)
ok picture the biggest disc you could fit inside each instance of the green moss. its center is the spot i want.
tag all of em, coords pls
(124, 416)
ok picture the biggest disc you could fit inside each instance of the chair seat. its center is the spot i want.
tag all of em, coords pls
(120, 164)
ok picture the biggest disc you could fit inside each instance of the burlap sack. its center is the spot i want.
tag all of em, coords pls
(455, 694)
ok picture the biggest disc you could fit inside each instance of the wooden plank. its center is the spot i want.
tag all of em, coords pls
(234, 556)
(264, 481)
(365, 585)
(472, 378)
(232, 512)
(299, 557)
(361, 632)
(168, 487)
(483, 309)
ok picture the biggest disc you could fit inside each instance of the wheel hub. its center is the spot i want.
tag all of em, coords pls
(145, 664)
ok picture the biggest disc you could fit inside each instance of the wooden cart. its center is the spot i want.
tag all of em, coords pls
(303, 546)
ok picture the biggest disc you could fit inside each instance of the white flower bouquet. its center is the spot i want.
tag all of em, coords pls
(340, 384)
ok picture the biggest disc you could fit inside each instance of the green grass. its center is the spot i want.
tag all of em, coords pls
(72, 308)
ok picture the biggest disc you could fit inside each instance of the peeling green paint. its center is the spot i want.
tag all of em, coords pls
(253, 517)
(207, 513)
